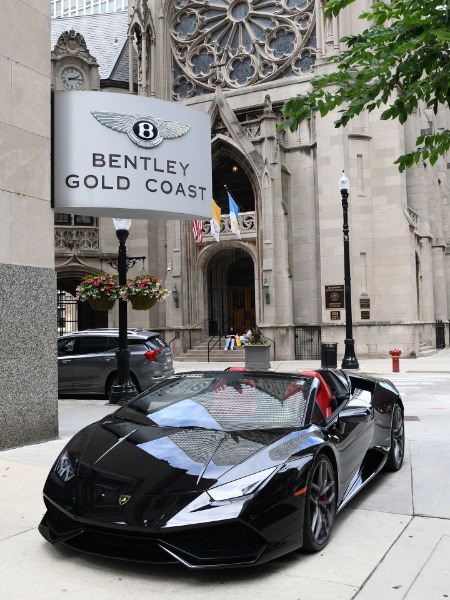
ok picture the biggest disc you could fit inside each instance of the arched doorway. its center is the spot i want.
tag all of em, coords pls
(231, 175)
(231, 291)
(73, 315)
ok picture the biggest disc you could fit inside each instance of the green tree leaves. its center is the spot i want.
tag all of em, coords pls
(398, 63)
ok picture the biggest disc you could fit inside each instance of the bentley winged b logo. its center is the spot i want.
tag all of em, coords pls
(144, 131)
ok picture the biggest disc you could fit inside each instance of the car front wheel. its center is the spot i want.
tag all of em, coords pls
(320, 509)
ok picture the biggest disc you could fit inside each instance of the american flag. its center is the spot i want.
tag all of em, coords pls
(197, 228)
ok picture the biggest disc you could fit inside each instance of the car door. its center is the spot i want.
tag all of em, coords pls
(92, 365)
(67, 347)
(353, 432)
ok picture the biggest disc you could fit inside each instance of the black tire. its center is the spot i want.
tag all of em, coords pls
(136, 383)
(320, 507)
(109, 383)
(394, 460)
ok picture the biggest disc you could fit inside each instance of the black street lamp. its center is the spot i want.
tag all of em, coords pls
(123, 387)
(349, 361)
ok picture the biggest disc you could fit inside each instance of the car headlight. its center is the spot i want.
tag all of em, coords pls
(240, 487)
(64, 468)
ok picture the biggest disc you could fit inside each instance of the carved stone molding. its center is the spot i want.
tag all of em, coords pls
(73, 238)
(72, 43)
(247, 227)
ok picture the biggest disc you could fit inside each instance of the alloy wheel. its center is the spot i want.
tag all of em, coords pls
(321, 505)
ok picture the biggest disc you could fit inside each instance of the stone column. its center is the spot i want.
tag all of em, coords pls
(28, 361)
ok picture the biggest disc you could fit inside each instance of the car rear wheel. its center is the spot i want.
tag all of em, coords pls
(397, 451)
(320, 509)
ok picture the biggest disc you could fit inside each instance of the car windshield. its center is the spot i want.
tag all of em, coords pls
(223, 401)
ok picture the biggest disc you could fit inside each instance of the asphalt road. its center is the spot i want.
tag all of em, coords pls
(391, 542)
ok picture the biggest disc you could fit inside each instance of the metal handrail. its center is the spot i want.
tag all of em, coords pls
(221, 331)
(274, 345)
(177, 337)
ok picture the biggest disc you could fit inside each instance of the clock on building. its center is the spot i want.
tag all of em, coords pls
(72, 78)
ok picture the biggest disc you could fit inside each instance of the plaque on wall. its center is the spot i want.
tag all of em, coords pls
(364, 303)
(334, 296)
(335, 315)
(365, 314)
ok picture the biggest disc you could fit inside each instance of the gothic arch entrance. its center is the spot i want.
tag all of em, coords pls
(73, 315)
(231, 291)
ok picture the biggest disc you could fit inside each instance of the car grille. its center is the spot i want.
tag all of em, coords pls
(232, 536)
(215, 544)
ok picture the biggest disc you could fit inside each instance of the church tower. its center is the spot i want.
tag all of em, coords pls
(239, 61)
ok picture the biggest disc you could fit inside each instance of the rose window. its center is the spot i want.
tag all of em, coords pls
(239, 43)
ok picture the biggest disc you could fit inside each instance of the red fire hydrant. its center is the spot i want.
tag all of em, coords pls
(395, 360)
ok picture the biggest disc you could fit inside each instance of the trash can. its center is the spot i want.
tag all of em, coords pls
(328, 355)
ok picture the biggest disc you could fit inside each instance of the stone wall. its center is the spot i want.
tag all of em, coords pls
(28, 376)
(28, 368)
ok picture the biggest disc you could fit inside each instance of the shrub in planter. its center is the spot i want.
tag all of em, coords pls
(257, 351)
(257, 338)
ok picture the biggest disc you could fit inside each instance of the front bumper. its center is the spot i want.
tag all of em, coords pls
(215, 545)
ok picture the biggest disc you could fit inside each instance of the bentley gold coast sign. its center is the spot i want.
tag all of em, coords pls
(116, 155)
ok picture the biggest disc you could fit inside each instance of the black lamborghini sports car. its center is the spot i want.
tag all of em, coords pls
(223, 469)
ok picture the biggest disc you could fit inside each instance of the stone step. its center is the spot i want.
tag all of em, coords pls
(201, 355)
(218, 359)
(427, 351)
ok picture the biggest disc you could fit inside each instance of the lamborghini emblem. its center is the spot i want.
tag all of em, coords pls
(124, 499)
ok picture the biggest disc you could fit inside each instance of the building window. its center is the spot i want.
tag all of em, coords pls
(60, 8)
(62, 219)
(84, 221)
(74, 220)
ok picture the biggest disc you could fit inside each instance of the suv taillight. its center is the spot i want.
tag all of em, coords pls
(152, 354)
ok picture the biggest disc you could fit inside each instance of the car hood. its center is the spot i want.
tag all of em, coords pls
(167, 460)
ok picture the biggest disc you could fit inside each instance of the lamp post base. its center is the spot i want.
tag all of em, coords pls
(122, 392)
(349, 361)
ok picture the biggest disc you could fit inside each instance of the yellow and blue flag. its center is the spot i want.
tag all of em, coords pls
(234, 216)
(215, 221)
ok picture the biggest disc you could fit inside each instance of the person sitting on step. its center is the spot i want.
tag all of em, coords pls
(247, 336)
(230, 338)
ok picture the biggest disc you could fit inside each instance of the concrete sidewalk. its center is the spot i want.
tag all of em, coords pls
(436, 363)
(391, 542)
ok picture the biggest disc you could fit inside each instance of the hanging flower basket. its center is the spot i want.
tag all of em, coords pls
(144, 291)
(101, 291)
(102, 303)
(143, 302)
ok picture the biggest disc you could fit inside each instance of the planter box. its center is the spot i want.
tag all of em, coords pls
(257, 357)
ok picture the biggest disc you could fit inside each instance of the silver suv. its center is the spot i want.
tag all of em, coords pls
(87, 360)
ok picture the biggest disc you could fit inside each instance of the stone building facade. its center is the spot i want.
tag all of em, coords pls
(239, 62)
(28, 375)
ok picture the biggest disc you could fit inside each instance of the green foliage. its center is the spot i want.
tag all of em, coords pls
(400, 61)
(257, 338)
